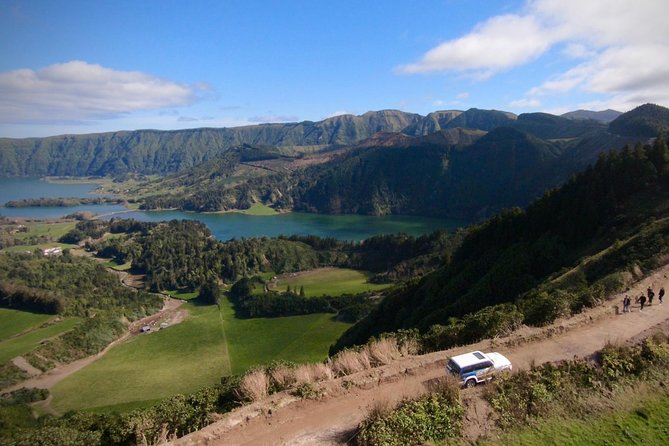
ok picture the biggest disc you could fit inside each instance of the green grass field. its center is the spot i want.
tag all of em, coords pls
(330, 281)
(19, 345)
(13, 322)
(292, 338)
(54, 230)
(646, 425)
(258, 209)
(193, 354)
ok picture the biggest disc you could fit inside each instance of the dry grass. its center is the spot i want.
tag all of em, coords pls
(309, 373)
(254, 385)
(409, 347)
(283, 377)
(347, 362)
(383, 351)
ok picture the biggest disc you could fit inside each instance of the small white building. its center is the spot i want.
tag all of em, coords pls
(56, 251)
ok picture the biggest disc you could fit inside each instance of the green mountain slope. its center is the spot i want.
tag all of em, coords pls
(648, 120)
(552, 258)
(153, 151)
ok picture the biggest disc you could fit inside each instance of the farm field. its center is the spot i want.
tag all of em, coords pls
(292, 338)
(330, 281)
(19, 345)
(13, 322)
(193, 354)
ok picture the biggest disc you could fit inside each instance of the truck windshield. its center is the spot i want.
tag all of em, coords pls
(453, 367)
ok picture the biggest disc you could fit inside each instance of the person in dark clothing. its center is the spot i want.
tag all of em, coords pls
(642, 301)
(651, 295)
(626, 304)
(660, 295)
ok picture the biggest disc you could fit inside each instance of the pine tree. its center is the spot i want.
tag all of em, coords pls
(302, 291)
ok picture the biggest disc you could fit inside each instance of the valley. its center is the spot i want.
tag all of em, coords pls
(290, 255)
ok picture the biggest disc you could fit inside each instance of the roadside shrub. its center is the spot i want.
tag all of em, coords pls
(347, 362)
(431, 417)
(498, 320)
(383, 351)
(254, 385)
(439, 337)
(617, 361)
(282, 374)
(307, 390)
(543, 308)
(307, 373)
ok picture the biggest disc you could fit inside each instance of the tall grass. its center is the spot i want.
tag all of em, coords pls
(254, 385)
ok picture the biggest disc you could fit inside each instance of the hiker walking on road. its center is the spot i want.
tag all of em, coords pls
(651, 294)
(641, 300)
(626, 304)
(660, 295)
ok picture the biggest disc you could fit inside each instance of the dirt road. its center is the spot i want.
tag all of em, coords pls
(285, 420)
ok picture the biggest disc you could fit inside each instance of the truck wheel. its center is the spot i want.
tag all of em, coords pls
(470, 383)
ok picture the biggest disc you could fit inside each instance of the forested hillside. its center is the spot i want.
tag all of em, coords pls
(152, 151)
(517, 267)
(456, 173)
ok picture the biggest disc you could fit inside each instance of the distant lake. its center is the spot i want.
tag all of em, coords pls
(24, 188)
(224, 226)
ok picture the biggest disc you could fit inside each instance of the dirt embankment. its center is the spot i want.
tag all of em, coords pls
(283, 419)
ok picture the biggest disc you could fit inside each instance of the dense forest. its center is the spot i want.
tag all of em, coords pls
(182, 254)
(526, 266)
(454, 173)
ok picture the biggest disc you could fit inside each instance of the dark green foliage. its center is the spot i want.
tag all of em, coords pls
(10, 375)
(551, 388)
(429, 418)
(81, 286)
(622, 197)
(210, 293)
(86, 339)
(23, 297)
(59, 202)
(648, 120)
(178, 415)
(24, 396)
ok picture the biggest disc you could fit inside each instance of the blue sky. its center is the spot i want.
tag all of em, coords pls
(91, 66)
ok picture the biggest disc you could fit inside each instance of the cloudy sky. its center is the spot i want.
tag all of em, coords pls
(72, 66)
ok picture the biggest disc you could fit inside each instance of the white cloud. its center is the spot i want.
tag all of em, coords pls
(264, 119)
(438, 103)
(78, 91)
(339, 113)
(525, 103)
(461, 96)
(498, 44)
(619, 49)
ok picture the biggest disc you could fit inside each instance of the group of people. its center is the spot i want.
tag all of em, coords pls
(643, 299)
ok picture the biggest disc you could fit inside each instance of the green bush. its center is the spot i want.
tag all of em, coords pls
(432, 417)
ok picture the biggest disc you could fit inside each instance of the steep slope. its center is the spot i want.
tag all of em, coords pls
(518, 257)
(648, 120)
(153, 151)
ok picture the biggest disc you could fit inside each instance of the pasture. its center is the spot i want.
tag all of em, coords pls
(329, 281)
(13, 322)
(31, 335)
(185, 357)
